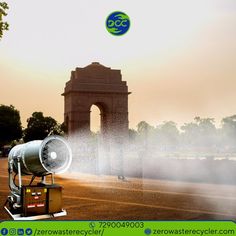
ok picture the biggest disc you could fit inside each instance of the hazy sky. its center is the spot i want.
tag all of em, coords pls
(179, 57)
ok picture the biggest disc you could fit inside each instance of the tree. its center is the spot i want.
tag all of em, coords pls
(132, 134)
(3, 25)
(200, 135)
(39, 127)
(64, 127)
(10, 124)
(228, 132)
(143, 127)
(145, 135)
(189, 135)
(167, 136)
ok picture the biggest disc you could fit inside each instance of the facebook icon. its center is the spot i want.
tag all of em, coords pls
(4, 231)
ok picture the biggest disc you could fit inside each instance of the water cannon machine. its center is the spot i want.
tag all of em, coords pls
(39, 158)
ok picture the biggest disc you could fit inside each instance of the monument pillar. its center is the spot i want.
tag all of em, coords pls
(98, 85)
(102, 86)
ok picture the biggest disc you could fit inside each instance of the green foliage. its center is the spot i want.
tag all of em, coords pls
(132, 134)
(229, 125)
(169, 128)
(198, 136)
(229, 132)
(10, 124)
(167, 135)
(143, 127)
(201, 134)
(39, 127)
(3, 25)
(64, 127)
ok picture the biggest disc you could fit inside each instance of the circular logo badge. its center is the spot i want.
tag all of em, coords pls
(92, 225)
(147, 231)
(29, 231)
(4, 231)
(117, 23)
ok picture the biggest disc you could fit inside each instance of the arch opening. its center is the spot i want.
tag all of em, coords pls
(95, 118)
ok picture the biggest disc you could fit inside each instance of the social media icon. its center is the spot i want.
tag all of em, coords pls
(147, 231)
(4, 231)
(12, 231)
(28, 231)
(92, 225)
(20, 231)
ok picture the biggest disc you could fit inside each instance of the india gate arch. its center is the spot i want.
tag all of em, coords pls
(97, 85)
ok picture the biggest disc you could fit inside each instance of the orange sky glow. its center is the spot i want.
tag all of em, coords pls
(178, 58)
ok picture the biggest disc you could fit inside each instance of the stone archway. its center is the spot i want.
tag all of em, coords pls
(102, 116)
(97, 85)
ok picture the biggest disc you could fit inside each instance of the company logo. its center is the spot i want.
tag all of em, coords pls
(117, 23)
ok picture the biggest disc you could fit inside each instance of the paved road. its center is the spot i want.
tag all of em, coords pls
(88, 197)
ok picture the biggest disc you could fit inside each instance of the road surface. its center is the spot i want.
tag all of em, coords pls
(90, 197)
